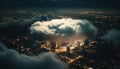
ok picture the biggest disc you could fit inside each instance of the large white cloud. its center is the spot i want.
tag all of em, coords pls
(11, 59)
(64, 27)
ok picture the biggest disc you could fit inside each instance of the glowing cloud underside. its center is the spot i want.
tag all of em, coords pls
(64, 27)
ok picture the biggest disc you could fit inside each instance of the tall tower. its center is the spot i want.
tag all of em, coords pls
(68, 49)
(53, 45)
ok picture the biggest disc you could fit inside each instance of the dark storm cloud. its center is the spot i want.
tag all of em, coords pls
(11, 59)
(64, 27)
(20, 25)
(13, 26)
(114, 36)
(2, 47)
(7, 21)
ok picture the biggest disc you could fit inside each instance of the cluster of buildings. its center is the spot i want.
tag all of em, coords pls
(58, 46)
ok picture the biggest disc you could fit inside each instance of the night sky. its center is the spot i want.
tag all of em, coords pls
(60, 3)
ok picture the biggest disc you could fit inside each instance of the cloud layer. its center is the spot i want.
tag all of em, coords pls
(11, 59)
(64, 27)
(114, 36)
